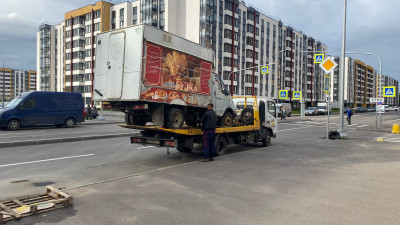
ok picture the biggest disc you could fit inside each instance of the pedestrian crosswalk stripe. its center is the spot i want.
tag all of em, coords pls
(389, 139)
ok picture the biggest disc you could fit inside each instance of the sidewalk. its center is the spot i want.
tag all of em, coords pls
(111, 117)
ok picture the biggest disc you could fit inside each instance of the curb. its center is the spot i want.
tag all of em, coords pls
(61, 140)
(97, 123)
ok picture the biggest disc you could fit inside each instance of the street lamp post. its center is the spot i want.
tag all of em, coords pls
(4, 79)
(341, 130)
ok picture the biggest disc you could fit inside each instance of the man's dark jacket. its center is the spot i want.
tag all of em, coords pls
(209, 121)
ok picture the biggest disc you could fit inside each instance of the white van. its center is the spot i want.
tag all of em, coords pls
(287, 109)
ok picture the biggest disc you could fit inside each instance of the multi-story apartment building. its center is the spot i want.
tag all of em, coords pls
(50, 57)
(242, 36)
(349, 72)
(359, 83)
(81, 27)
(387, 82)
(14, 82)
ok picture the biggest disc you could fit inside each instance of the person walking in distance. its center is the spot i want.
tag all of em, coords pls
(282, 113)
(209, 123)
(349, 114)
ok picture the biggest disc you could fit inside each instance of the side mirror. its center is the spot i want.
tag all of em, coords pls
(226, 92)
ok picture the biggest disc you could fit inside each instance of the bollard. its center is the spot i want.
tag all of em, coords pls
(395, 129)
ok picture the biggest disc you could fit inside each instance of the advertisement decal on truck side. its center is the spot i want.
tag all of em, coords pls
(172, 75)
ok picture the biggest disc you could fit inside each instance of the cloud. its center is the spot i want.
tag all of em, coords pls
(372, 25)
(13, 15)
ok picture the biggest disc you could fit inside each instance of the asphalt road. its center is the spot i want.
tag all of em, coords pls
(300, 179)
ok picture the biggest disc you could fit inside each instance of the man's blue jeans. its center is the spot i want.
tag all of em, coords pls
(209, 144)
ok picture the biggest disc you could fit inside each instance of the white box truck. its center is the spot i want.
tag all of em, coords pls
(154, 76)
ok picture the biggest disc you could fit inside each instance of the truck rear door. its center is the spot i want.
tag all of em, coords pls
(115, 63)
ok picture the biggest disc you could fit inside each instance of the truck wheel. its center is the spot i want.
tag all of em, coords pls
(191, 120)
(13, 125)
(135, 119)
(181, 147)
(128, 119)
(221, 146)
(174, 118)
(247, 116)
(266, 141)
(69, 123)
(227, 120)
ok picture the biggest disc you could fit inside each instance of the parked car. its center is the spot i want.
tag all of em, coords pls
(311, 111)
(386, 108)
(370, 110)
(393, 108)
(92, 112)
(43, 108)
(322, 110)
(358, 110)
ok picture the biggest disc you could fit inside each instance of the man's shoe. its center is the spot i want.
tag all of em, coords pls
(204, 160)
(211, 159)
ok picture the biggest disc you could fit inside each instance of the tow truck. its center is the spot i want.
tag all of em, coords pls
(257, 123)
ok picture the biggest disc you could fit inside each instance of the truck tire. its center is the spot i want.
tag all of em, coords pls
(69, 123)
(221, 145)
(135, 119)
(247, 116)
(266, 141)
(227, 120)
(181, 147)
(127, 119)
(174, 118)
(13, 124)
(191, 120)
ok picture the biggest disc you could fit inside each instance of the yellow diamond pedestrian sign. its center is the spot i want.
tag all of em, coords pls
(297, 95)
(328, 65)
(283, 94)
(389, 91)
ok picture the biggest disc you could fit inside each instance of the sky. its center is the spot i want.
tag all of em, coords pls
(373, 26)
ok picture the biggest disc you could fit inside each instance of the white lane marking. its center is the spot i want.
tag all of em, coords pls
(391, 121)
(146, 147)
(295, 128)
(391, 139)
(46, 160)
(363, 125)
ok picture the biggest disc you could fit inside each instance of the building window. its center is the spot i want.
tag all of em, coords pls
(68, 22)
(89, 16)
(88, 41)
(97, 14)
(96, 26)
(113, 20)
(134, 10)
(88, 28)
(88, 65)
(87, 53)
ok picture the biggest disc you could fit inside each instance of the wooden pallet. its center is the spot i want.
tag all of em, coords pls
(17, 208)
